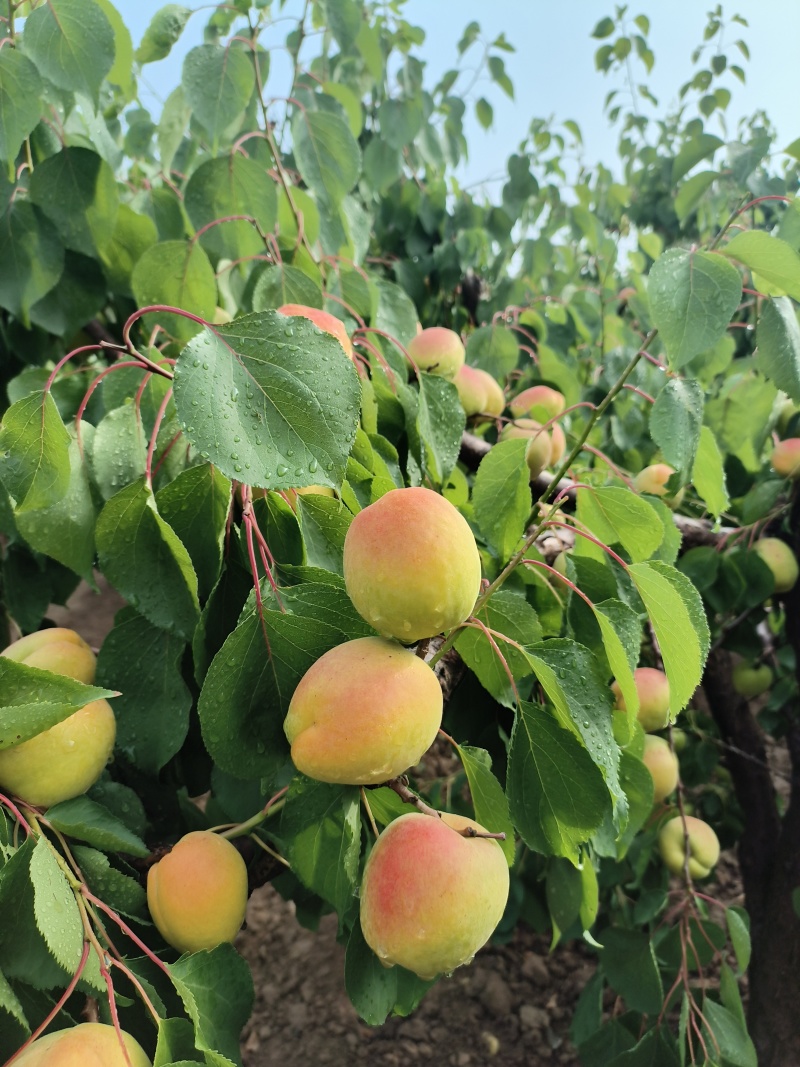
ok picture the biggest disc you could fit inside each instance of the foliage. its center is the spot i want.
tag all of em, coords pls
(159, 408)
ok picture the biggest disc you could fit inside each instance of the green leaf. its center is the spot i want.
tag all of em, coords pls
(163, 32)
(55, 908)
(24, 953)
(629, 963)
(493, 349)
(114, 888)
(118, 451)
(218, 83)
(9, 1003)
(321, 829)
(564, 892)
(65, 530)
(196, 506)
(556, 793)
(739, 932)
(216, 988)
(344, 18)
(133, 235)
(31, 258)
(141, 556)
(778, 338)
(371, 987)
(708, 473)
(268, 401)
(152, 711)
(692, 192)
(637, 781)
(603, 29)
(620, 630)
(20, 101)
(400, 121)
(567, 673)
(327, 154)
(79, 295)
(675, 421)
(488, 799)
(678, 618)
(485, 112)
(72, 44)
(616, 515)
(692, 298)
(232, 185)
(770, 257)
(250, 682)
(501, 496)
(324, 524)
(177, 273)
(91, 822)
(696, 148)
(283, 284)
(440, 423)
(724, 1031)
(510, 616)
(33, 700)
(121, 72)
(34, 453)
(396, 313)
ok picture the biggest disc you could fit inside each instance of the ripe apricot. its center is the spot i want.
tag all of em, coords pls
(64, 761)
(540, 402)
(660, 760)
(438, 351)
(471, 389)
(431, 897)
(653, 689)
(411, 565)
(703, 846)
(653, 480)
(781, 561)
(363, 713)
(786, 458)
(197, 894)
(84, 1045)
(324, 320)
(539, 453)
(495, 397)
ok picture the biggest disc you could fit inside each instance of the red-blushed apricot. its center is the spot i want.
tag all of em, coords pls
(495, 397)
(781, 561)
(751, 682)
(84, 1045)
(471, 389)
(653, 480)
(662, 763)
(438, 351)
(197, 894)
(59, 650)
(786, 458)
(540, 450)
(653, 689)
(540, 402)
(431, 897)
(411, 565)
(703, 846)
(324, 320)
(365, 712)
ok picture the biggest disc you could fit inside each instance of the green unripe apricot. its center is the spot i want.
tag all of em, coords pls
(750, 681)
(781, 561)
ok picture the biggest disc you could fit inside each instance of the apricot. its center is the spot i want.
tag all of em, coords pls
(781, 561)
(495, 397)
(365, 712)
(703, 846)
(431, 897)
(291, 495)
(84, 1045)
(653, 480)
(786, 458)
(750, 681)
(540, 450)
(540, 402)
(471, 389)
(558, 444)
(64, 761)
(653, 689)
(197, 894)
(662, 763)
(411, 565)
(438, 351)
(324, 321)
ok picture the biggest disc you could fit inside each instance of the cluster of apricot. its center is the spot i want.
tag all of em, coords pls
(367, 710)
(652, 687)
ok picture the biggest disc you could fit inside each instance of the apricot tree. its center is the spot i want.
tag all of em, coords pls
(378, 465)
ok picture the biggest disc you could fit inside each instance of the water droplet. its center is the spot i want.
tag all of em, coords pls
(282, 470)
(234, 394)
(236, 440)
(312, 466)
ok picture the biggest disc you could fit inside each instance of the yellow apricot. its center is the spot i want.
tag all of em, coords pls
(431, 897)
(59, 650)
(781, 561)
(197, 894)
(291, 495)
(324, 320)
(653, 689)
(438, 351)
(653, 480)
(495, 397)
(540, 402)
(786, 458)
(365, 712)
(84, 1045)
(660, 760)
(471, 389)
(411, 565)
(703, 846)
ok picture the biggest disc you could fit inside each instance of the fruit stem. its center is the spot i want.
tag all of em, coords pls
(400, 786)
(470, 831)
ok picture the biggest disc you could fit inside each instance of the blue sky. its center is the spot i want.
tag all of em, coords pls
(553, 67)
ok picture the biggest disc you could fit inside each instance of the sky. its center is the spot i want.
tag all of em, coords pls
(553, 67)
